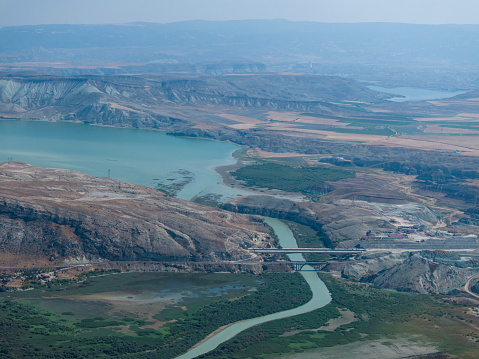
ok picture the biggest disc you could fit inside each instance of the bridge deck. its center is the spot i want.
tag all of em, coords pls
(308, 250)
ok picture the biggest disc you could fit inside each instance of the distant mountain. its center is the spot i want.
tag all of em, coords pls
(367, 51)
(268, 41)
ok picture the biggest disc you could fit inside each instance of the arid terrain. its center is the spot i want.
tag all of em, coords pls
(343, 165)
(415, 162)
(57, 216)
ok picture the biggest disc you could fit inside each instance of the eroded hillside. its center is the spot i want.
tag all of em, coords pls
(63, 215)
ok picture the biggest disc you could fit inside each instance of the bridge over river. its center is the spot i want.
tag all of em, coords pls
(309, 250)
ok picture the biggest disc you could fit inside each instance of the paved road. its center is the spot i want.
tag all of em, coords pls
(467, 286)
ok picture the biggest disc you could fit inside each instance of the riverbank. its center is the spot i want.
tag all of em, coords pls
(230, 181)
(321, 297)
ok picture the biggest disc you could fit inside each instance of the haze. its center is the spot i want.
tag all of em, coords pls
(33, 12)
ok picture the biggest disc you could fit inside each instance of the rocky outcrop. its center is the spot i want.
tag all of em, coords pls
(76, 99)
(416, 272)
(266, 206)
(419, 275)
(106, 115)
(63, 214)
(337, 222)
(371, 264)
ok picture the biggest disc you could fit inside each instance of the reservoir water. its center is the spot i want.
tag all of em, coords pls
(415, 93)
(144, 157)
(321, 297)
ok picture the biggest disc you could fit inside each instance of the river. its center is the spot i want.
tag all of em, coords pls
(147, 158)
(321, 297)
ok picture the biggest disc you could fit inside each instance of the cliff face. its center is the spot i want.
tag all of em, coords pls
(417, 274)
(351, 208)
(153, 101)
(72, 216)
(76, 99)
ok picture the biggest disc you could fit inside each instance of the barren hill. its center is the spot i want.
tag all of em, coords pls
(171, 102)
(65, 215)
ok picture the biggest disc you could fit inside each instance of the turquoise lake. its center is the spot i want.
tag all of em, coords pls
(144, 157)
(415, 93)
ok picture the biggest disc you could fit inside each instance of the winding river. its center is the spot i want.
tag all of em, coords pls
(321, 297)
(147, 158)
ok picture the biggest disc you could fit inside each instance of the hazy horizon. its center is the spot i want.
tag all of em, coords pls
(30, 12)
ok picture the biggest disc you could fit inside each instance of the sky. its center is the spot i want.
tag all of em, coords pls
(33, 12)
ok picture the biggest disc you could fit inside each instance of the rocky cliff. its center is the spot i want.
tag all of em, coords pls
(66, 215)
(160, 101)
(417, 272)
(347, 211)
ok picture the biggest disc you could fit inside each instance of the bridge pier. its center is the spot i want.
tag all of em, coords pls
(317, 266)
(297, 266)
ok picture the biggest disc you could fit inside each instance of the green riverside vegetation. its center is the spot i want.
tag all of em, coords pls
(308, 237)
(379, 314)
(29, 332)
(290, 178)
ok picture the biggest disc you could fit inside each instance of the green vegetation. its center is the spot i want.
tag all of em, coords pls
(306, 179)
(351, 106)
(308, 237)
(384, 124)
(173, 185)
(97, 272)
(468, 125)
(27, 331)
(242, 154)
(380, 314)
(361, 131)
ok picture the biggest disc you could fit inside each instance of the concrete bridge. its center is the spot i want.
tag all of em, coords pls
(297, 265)
(309, 250)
